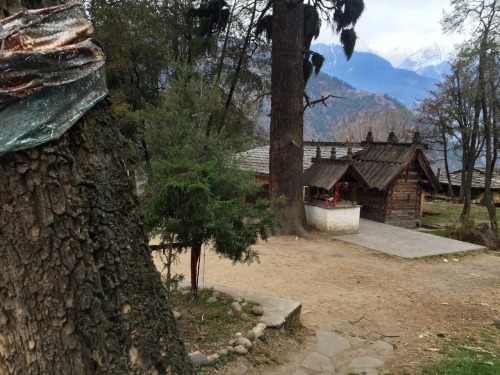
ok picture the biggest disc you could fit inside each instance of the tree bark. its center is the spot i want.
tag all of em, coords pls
(79, 293)
(286, 135)
(450, 192)
(487, 126)
(194, 267)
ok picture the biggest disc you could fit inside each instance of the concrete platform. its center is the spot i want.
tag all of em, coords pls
(278, 312)
(402, 242)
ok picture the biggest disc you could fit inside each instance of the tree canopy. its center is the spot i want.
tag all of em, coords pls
(195, 191)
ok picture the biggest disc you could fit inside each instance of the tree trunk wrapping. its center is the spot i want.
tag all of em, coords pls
(79, 293)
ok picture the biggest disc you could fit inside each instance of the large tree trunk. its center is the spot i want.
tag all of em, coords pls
(469, 160)
(450, 191)
(79, 293)
(482, 66)
(287, 87)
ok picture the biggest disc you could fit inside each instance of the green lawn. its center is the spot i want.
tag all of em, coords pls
(447, 214)
(474, 356)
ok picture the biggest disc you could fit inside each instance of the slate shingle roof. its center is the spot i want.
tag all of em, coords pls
(381, 164)
(478, 176)
(257, 159)
(327, 173)
(378, 163)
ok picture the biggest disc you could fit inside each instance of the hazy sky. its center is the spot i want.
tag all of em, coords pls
(395, 28)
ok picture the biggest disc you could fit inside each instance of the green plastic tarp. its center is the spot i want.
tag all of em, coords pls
(51, 73)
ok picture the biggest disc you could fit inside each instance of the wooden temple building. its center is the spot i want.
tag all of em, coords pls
(398, 175)
(385, 180)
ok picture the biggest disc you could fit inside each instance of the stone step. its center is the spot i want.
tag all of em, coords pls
(278, 312)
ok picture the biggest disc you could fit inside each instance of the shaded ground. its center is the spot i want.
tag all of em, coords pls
(356, 291)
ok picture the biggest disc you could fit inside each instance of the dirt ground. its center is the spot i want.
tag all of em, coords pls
(356, 291)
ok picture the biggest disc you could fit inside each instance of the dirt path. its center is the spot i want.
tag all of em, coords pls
(360, 292)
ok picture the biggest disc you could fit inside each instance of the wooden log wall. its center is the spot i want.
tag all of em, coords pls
(372, 205)
(403, 199)
(398, 205)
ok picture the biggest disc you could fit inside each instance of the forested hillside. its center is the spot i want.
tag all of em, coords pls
(329, 122)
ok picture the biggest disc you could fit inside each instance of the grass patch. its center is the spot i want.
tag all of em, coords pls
(446, 214)
(446, 217)
(438, 232)
(208, 327)
(469, 356)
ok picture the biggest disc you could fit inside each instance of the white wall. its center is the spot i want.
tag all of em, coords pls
(337, 220)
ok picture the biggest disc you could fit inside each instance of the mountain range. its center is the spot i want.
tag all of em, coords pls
(431, 62)
(367, 89)
(366, 71)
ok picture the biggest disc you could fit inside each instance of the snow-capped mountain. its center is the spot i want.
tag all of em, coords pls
(408, 82)
(368, 72)
(431, 61)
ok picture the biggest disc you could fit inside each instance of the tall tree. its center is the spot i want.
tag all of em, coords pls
(286, 134)
(79, 293)
(483, 19)
(435, 112)
(287, 91)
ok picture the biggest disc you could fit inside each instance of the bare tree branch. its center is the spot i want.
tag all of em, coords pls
(321, 100)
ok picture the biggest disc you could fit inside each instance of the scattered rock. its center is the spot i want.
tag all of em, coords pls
(236, 308)
(230, 349)
(251, 335)
(177, 315)
(211, 299)
(496, 323)
(258, 310)
(211, 359)
(198, 359)
(258, 332)
(241, 369)
(244, 342)
(240, 349)
(231, 342)
(239, 300)
(244, 317)
(216, 294)
(223, 352)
